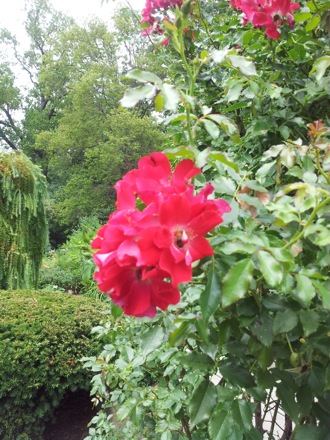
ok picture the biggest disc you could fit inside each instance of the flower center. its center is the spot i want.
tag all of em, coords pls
(180, 238)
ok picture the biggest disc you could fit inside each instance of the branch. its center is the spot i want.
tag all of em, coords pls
(12, 123)
(8, 141)
(287, 428)
(258, 418)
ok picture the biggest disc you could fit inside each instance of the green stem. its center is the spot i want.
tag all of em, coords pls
(289, 343)
(309, 221)
(204, 24)
(316, 7)
(190, 89)
(318, 165)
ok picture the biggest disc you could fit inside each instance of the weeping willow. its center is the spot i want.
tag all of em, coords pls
(23, 224)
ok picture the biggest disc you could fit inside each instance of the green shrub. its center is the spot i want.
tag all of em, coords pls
(70, 267)
(43, 336)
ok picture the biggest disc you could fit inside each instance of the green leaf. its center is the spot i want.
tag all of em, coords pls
(180, 334)
(144, 76)
(274, 303)
(221, 425)
(210, 297)
(151, 339)
(166, 435)
(282, 255)
(285, 131)
(262, 328)
(224, 185)
(222, 158)
(305, 290)
(265, 170)
(211, 128)
(232, 247)
(197, 361)
(313, 23)
(310, 321)
(171, 96)
(236, 282)
(202, 329)
(302, 16)
(219, 56)
(225, 123)
(285, 321)
(246, 67)
(288, 402)
(242, 414)
(133, 96)
(202, 403)
(305, 399)
(252, 184)
(123, 412)
(270, 268)
(236, 374)
(288, 157)
(324, 292)
(265, 358)
(206, 110)
(306, 432)
(116, 311)
(320, 66)
(159, 102)
(234, 92)
(253, 434)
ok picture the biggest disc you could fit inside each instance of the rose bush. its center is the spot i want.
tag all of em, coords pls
(244, 354)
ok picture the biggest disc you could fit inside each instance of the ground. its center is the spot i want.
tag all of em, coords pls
(71, 418)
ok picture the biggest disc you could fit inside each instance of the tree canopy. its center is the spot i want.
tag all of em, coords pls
(69, 121)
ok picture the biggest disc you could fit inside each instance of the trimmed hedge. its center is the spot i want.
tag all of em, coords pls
(43, 336)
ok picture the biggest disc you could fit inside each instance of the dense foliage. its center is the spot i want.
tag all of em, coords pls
(42, 338)
(69, 268)
(23, 224)
(245, 354)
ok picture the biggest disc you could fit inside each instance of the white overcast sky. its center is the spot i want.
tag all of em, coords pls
(12, 11)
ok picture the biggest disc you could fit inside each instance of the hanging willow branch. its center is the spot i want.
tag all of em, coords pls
(23, 224)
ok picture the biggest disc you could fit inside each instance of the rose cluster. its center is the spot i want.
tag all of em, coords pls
(267, 13)
(149, 243)
(149, 15)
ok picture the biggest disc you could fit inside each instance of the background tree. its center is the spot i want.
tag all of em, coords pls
(71, 111)
(23, 224)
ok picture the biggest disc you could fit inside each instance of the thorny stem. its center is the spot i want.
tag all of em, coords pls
(309, 222)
